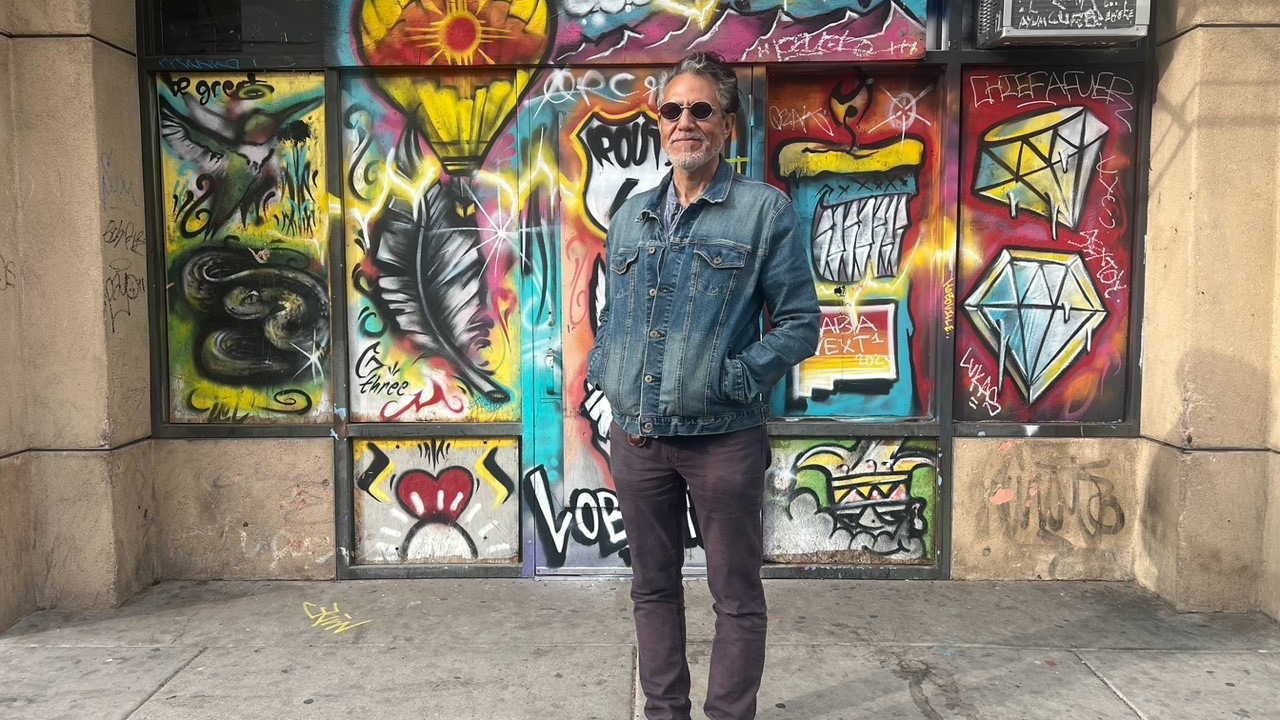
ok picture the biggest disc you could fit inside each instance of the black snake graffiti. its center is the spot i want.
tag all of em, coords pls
(258, 324)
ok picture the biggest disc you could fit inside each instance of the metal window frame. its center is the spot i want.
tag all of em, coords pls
(951, 48)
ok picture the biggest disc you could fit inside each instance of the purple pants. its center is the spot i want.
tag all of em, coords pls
(724, 475)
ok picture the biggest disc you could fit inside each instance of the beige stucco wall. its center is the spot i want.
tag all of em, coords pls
(78, 515)
(94, 526)
(1031, 509)
(13, 402)
(245, 509)
(1269, 589)
(17, 541)
(1216, 136)
(56, 156)
(121, 216)
(113, 21)
(1178, 16)
(1211, 518)
(17, 590)
(1204, 528)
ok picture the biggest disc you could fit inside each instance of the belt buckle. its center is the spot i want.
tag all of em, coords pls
(637, 440)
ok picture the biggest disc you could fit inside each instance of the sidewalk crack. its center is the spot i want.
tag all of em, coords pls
(1115, 690)
(162, 685)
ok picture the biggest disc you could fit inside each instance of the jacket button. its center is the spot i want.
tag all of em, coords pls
(716, 261)
(653, 292)
(647, 427)
(652, 251)
(655, 334)
(648, 378)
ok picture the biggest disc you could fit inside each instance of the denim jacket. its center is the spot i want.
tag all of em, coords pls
(679, 349)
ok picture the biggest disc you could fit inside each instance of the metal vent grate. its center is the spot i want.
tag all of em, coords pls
(988, 19)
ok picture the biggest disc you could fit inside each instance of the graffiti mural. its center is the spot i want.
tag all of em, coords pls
(442, 500)
(434, 211)
(1045, 245)
(586, 528)
(245, 247)
(860, 157)
(608, 150)
(845, 501)
(484, 147)
(594, 32)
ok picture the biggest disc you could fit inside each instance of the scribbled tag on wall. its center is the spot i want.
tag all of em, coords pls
(1046, 235)
(443, 500)
(433, 205)
(846, 501)
(859, 156)
(246, 238)
(594, 32)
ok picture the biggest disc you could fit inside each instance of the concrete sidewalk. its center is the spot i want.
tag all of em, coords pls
(497, 649)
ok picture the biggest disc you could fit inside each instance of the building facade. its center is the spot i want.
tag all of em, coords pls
(337, 266)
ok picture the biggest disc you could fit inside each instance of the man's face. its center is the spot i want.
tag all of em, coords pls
(691, 143)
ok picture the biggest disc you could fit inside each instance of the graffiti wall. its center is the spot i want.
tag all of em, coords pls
(442, 500)
(1045, 245)
(245, 247)
(851, 501)
(859, 154)
(594, 32)
(484, 147)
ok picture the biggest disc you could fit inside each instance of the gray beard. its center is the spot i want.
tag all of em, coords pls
(692, 161)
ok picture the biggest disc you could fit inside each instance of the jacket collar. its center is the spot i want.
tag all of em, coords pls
(715, 193)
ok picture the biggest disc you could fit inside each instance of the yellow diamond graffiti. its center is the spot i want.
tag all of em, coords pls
(1042, 163)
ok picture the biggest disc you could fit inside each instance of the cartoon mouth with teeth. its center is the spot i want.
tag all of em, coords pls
(856, 198)
(857, 195)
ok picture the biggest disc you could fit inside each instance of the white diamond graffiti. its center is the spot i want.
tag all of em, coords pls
(1037, 310)
(1042, 163)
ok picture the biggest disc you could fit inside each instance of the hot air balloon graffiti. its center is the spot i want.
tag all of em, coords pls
(427, 258)
(459, 113)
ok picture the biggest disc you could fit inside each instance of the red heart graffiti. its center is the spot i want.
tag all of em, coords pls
(435, 499)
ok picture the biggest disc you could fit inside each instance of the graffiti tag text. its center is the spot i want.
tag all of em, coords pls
(119, 289)
(123, 234)
(1095, 251)
(1050, 87)
(983, 390)
(331, 619)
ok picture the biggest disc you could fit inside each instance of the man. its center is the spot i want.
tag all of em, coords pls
(680, 357)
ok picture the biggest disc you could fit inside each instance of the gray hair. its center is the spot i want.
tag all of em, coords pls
(710, 66)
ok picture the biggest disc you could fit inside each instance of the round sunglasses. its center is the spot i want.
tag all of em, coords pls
(671, 111)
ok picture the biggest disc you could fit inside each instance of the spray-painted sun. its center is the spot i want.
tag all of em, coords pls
(453, 32)
(456, 36)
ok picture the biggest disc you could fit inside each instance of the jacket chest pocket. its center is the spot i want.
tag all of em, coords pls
(717, 267)
(622, 268)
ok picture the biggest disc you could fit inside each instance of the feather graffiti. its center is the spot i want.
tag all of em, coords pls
(427, 275)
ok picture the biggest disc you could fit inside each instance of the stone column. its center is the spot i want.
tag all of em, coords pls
(74, 330)
(17, 539)
(1210, 536)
